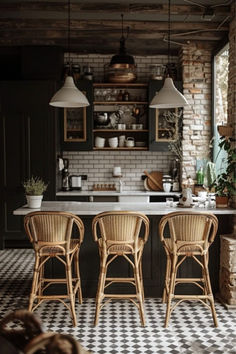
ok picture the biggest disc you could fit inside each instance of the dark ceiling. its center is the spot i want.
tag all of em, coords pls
(95, 26)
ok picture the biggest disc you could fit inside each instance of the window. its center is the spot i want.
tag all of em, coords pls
(221, 61)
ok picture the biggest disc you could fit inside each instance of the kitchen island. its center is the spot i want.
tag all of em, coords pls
(154, 259)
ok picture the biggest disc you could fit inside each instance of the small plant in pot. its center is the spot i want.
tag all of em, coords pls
(34, 189)
(225, 183)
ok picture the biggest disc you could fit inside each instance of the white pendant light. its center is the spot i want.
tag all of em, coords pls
(69, 96)
(168, 96)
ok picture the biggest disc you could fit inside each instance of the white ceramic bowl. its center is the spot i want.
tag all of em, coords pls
(113, 142)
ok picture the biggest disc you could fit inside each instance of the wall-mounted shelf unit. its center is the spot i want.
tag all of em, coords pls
(124, 103)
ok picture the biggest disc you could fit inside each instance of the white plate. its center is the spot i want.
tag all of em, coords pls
(145, 185)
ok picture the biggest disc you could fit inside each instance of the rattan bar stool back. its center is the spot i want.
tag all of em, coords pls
(50, 234)
(120, 234)
(190, 236)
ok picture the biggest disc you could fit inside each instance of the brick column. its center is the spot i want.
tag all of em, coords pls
(232, 82)
(196, 72)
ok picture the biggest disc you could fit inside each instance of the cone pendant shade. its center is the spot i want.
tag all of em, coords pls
(69, 96)
(168, 97)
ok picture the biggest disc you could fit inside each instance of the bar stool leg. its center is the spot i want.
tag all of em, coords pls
(34, 286)
(167, 279)
(139, 290)
(209, 290)
(101, 285)
(70, 290)
(77, 276)
(171, 288)
(141, 278)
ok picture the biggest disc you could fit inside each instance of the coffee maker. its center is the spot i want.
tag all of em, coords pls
(65, 176)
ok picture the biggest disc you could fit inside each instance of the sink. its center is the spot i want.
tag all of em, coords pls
(133, 198)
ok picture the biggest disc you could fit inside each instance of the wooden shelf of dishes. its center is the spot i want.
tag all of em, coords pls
(120, 116)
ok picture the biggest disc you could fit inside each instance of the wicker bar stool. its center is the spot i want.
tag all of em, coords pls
(118, 234)
(191, 234)
(50, 233)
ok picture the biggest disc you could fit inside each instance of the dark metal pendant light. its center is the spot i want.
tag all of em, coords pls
(69, 96)
(122, 57)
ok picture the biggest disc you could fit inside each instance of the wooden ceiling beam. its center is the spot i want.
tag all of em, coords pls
(159, 9)
(96, 25)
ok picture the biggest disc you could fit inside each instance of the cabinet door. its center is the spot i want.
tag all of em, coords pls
(161, 130)
(28, 147)
(77, 124)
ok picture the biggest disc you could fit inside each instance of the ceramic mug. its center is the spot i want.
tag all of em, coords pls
(121, 140)
(99, 142)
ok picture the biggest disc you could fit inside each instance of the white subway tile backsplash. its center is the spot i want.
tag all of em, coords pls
(98, 166)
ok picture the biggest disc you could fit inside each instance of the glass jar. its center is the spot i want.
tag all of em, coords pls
(167, 183)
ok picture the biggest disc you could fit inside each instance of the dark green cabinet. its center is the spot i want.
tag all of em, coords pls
(162, 129)
(77, 123)
(28, 147)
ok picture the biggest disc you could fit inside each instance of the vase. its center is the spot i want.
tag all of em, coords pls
(34, 201)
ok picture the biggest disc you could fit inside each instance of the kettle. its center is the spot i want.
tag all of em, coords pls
(75, 182)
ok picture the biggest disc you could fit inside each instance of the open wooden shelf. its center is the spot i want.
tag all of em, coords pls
(120, 84)
(120, 130)
(107, 103)
(122, 148)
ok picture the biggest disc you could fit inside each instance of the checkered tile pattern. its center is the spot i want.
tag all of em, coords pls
(190, 330)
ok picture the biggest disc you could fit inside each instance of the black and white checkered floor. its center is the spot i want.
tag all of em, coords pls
(191, 327)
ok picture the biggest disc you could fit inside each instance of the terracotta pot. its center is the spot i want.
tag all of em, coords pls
(222, 201)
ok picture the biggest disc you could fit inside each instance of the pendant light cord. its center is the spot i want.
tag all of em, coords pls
(168, 64)
(68, 39)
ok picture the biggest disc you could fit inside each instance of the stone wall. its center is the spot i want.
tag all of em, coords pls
(196, 71)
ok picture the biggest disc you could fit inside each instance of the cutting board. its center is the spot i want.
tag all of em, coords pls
(151, 178)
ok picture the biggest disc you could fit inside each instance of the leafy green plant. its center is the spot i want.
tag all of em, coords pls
(34, 186)
(225, 182)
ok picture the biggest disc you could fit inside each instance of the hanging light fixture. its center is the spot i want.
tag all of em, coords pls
(168, 96)
(69, 96)
(122, 57)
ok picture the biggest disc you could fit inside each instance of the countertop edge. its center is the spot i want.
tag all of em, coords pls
(84, 208)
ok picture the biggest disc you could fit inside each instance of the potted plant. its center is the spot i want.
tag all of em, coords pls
(224, 184)
(34, 189)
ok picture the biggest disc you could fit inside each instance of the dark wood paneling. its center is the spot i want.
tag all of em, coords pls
(28, 145)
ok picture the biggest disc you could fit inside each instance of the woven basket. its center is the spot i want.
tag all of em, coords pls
(225, 130)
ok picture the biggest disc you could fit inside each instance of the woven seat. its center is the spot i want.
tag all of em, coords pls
(50, 233)
(191, 234)
(118, 234)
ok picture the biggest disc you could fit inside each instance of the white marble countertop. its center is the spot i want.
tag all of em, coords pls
(111, 193)
(84, 208)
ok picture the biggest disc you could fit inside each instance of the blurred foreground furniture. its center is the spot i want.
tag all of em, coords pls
(29, 338)
(50, 233)
(191, 234)
(118, 233)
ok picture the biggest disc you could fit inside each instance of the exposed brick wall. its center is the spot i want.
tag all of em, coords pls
(232, 71)
(98, 165)
(232, 82)
(196, 71)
